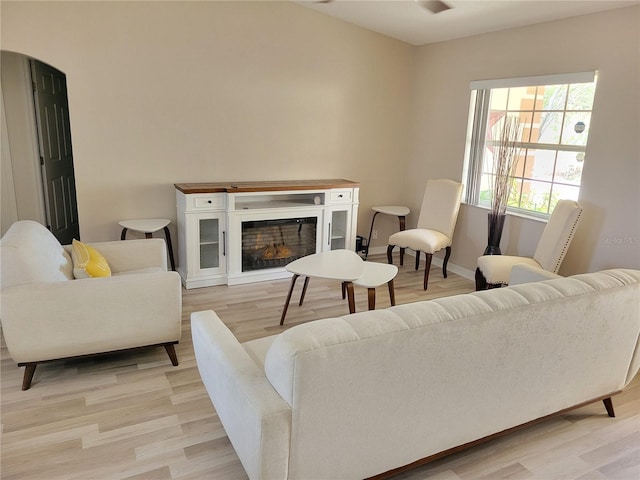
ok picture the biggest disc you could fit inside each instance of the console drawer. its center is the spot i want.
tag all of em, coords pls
(341, 196)
(206, 201)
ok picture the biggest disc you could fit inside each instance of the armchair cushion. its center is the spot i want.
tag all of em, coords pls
(497, 268)
(428, 241)
(30, 253)
(88, 262)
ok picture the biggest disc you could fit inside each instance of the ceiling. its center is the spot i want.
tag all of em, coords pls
(409, 20)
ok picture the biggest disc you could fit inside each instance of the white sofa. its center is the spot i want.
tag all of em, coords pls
(46, 314)
(356, 396)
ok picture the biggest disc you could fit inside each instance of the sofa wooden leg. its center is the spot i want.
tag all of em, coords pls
(171, 351)
(608, 404)
(29, 370)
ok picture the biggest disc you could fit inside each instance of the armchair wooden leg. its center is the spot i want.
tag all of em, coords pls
(417, 259)
(171, 351)
(608, 404)
(427, 267)
(29, 370)
(446, 260)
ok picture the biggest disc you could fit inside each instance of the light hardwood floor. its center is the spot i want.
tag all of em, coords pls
(134, 416)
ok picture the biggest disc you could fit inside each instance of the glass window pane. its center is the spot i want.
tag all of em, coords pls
(535, 127)
(499, 98)
(568, 168)
(514, 194)
(518, 97)
(550, 125)
(535, 196)
(581, 96)
(540, 164)
(552, 97)
(485, 189)
(576, 128)
(563, 192)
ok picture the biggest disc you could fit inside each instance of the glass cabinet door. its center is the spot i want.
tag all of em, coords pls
(338, 228)
(209, 240)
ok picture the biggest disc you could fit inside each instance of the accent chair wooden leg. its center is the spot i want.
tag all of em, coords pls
(427, 267)
(446, 260)
(286, 302)
(392, 292)
(171, 351)
(390, 254)
(344, 291)
(608, 404)
(417, 259)
(29, 370)
(402, 221)
(123, 234)
(350, 297)
(481, 282)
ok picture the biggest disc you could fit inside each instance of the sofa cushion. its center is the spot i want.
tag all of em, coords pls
(88, 262)
(31, 254)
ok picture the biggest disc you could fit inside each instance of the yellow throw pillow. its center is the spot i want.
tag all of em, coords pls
(88, 262)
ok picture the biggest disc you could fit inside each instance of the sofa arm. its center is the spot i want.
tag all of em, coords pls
(524, 273)
(127, 255)
(256, 419)
(45, 321)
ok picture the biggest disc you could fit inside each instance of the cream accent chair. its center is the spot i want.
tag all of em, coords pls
(436, 223)
(47, 315)
(494, 270)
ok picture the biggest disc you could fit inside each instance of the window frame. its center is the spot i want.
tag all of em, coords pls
(479, 111)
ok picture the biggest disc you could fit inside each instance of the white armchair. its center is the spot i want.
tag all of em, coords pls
(494, 270)
(47, 315)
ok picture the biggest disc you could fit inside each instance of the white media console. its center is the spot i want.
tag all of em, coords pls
(233, 233)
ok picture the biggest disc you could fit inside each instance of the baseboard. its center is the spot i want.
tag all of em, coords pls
(437, 261)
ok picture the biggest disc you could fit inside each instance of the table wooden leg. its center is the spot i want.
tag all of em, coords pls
(167, 236)
(372, 298)
(304, 290)
(403, 221)
(350, 297)
(392, 292)
(286, 303)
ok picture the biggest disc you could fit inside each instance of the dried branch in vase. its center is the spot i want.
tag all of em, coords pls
(505, 158)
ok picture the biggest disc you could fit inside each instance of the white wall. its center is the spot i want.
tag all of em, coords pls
(609, 234)
(168, 92)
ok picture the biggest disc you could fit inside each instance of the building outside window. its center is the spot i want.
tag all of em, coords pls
(555, 115)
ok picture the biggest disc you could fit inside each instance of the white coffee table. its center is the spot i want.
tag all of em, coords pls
(346, 266)
(343, 265)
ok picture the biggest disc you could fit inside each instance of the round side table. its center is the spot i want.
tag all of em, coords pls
(396, 210)
(148, 226)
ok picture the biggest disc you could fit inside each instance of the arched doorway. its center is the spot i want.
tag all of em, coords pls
(38, 177)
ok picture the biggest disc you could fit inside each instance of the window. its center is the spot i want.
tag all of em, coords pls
(555, 115)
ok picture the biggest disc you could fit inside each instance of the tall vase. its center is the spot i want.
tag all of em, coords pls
(496, 222)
